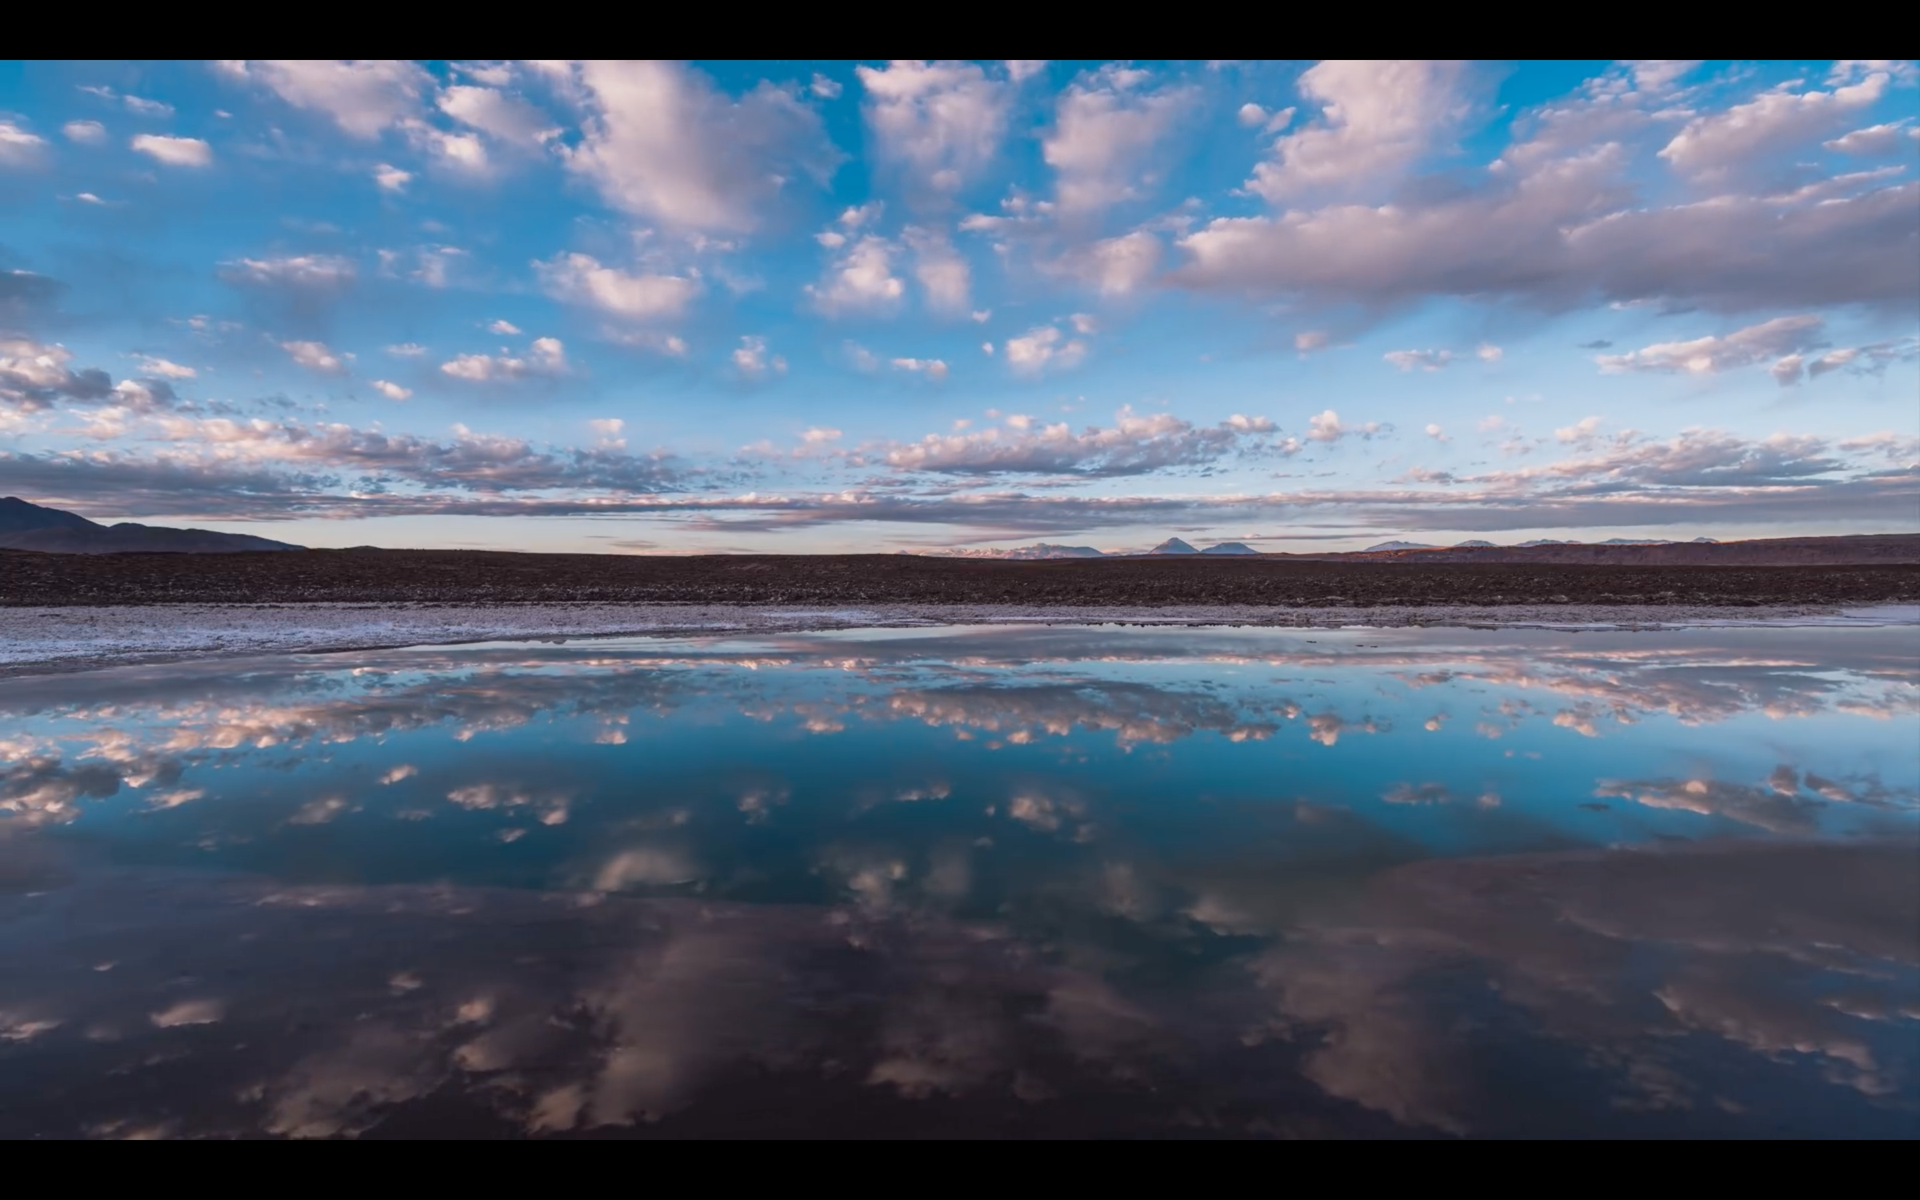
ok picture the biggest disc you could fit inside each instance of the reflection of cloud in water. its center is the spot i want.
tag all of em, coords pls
(1136, 713)
(541, 1013)
(516, 1010)
(1749, 933)
(1778, 806)
(1010, 688)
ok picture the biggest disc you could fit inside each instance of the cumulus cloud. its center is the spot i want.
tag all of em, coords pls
(314, 356)
(1580, 433)
(581, 279)
(1781, 340)
(173, 151)
(941, 123)
(752, 360)
(932, 368)
(1558, 226)
(1376, 119)
(1135, 444)
(860, 279)
(18, 146)
(1327, 427)
(166, 368)
(1114, 266)
(391, 178)
(547, 356)
(942, 273)
(1043, 348)
(661, 142)
(498, 113)
(392, 391)
(1874, 140)
(304, 272)
(1107, 129)
(35, 375)
(362, 97)
(87, 133)
(217, 448)
(1715, 144)
(1426, 360)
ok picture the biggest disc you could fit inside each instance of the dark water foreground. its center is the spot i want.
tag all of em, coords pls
(979, 882)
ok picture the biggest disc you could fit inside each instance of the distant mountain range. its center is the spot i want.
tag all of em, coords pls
(25, 526)
(1180, 547)
(1172, 546)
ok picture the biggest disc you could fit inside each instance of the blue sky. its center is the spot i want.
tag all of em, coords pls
(804, 306)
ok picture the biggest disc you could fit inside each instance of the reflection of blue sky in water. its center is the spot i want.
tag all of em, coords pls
(1268, 873)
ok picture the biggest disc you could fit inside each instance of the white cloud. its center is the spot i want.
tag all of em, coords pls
(751, 358)
(1782, 340)
(547, 356)
(1376, 119)
(18, 147)
(933, 368)
(1327, 427)
(1488, 352)
(581, 279)
(406, 350)
(392, 391)
(1310, 340)
(310, 272)
(1716, 143)
(1438, 434)
(661, 143)
(826, 89)
(1105, 133)
(861, 280)
(140, 106)
(862, 358)
(607, 427)
(491, 111)
(1041, 348)
(361, 97)
(941, 122)
(1112, 266)
(941, 271)
(315, 356)
(1426, 360)
(1133, 445)
(461, 152)
(34, 375)
(1581, 433)
(1556, 230)
(1022, 69)
(503, 328)
(166, 369)
(1874, 140)
(391, 178)
(87, 133)
(173, 151)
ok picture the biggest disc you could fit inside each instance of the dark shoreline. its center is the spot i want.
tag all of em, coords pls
(489, 577)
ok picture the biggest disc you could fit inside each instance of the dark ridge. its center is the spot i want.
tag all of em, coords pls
(1883, 570)
(25, 526)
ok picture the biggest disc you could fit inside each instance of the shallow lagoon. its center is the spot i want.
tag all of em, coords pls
(980, 881)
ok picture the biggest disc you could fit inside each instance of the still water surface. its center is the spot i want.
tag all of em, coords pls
(973, 882)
